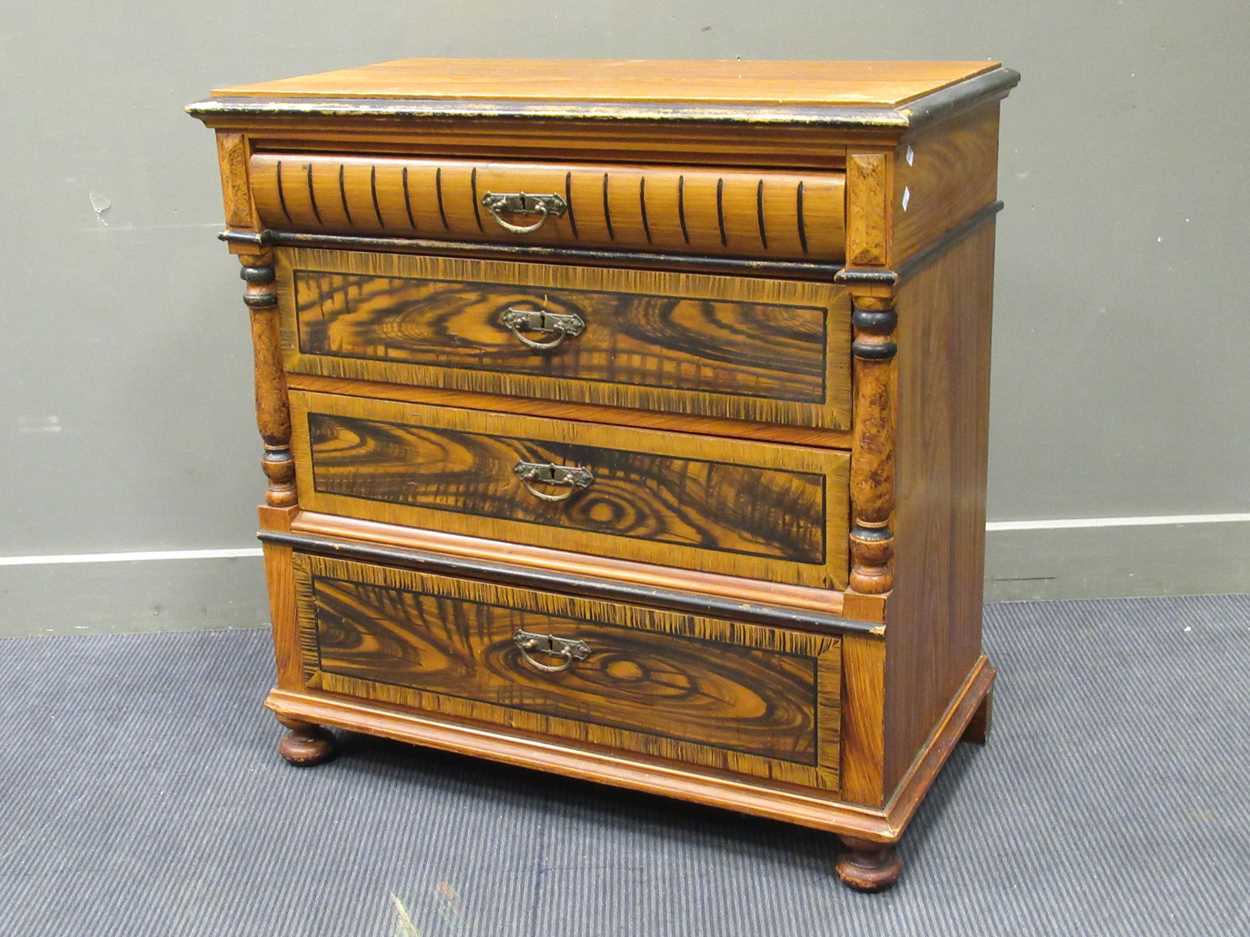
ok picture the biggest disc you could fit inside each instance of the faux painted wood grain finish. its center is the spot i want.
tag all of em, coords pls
(733, 212)
(785, 147)
(863, 720)
(711, 692)
(743, 349)
(280, 587)
(933, 635)
(667, 81)
(751, 591)
(693, 502)
(908, 690)
(586, 413)
(713, 505)
(767, 351)
(945, 176)
(646, 773)
(741, 699)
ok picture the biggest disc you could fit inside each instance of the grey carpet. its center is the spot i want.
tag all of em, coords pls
(140, 795)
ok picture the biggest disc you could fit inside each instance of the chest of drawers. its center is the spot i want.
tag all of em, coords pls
(627, 420)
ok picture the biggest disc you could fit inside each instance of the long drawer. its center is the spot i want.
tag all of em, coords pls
(750, 509)
(704, 346)
(729, 212)
(721, 694)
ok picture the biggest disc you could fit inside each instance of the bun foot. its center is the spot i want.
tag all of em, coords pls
(978, 730)
(305, 744)
(867, 866)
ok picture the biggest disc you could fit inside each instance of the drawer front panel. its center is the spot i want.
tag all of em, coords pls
(728, 212)
(728, 695)
(710, 346)
(747, 509)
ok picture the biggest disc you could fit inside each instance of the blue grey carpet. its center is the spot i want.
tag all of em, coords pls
(140, 794)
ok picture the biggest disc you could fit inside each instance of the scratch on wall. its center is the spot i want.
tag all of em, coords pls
(100, 203)
(39, 424)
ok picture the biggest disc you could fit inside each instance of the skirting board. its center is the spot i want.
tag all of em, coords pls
(1136, 560)
(143, 595)
(228, 592)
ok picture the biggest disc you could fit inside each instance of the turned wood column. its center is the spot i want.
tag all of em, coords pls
(872, 463)
(273, 417)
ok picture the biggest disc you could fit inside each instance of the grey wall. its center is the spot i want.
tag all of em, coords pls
(1120, 386)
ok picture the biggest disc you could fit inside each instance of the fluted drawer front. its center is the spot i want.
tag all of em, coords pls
(749, 509)
(721, 694)
(765, 351)
(730, 212)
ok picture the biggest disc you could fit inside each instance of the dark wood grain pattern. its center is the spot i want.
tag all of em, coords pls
(748, 349)
(679, 686)
(689, 210)
(707, 504)
(694, 345)
(741, 699)
(703, 503)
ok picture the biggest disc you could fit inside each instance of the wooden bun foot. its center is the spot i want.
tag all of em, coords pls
(867, 866)
(305, 744)
(978, 730)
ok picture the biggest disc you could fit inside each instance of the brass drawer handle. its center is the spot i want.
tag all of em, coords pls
(523, 203)
(548, 473)
(563, 324)
(569, 649)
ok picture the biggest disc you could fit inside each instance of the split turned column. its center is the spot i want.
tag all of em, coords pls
(273, 417)
(872, 465)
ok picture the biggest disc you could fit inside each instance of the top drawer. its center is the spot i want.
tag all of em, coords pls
(781, 216)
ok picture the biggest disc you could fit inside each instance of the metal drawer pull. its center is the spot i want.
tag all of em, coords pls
(563, 324)
(569, 649)
(547, 473)
(523, 203)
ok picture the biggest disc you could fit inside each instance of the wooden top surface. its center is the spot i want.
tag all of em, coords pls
(792, 83)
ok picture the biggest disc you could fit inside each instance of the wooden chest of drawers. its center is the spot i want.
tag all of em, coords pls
(628, 420)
